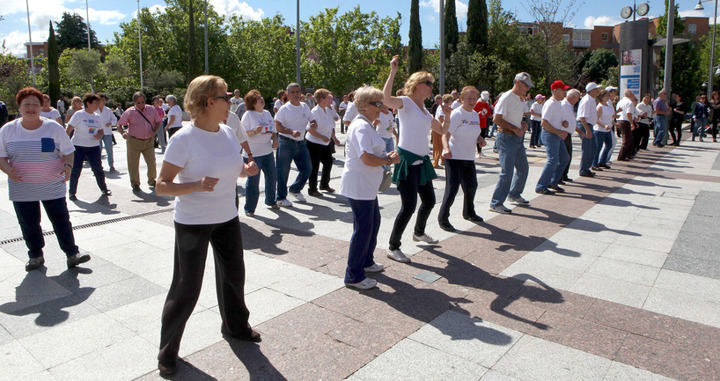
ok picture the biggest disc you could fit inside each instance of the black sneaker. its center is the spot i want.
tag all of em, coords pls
(557, 188)
(474, 218)
(167, 369)
(606, 166)
(315, 193)
(567, 179)
(544, 191)
(72, 197)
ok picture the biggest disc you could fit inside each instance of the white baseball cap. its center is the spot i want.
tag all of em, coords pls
(485, 95)
(591, 86)
(524, 78)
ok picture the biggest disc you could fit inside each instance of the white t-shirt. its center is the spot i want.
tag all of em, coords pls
(439, 112)
(416, 123)
(199, 153)
(86, 126)
(295, 118)
(553, 113)
(343, 106)
(511, 107)
(234, 123)
(278, 104)
(606, 118)
(350, 113)
(360, 181)
(587, 109)
(37, 156)
(235, 102)
(386, 123)
(177, 122)
(568, 116)
(52, 114)
(260, 144)
(464, 131)
(456, 103)
(624, 107)
(325, 119)
(107, 116)
(647, 109)
(537, 108)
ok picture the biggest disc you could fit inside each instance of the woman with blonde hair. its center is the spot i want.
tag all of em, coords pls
(362, 174)
(76, 104)
(414, 174)
(205, 213)
(320, 138)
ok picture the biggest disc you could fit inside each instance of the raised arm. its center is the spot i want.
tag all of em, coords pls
(388, 98)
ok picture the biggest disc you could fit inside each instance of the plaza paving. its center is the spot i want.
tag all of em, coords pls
(618, 279)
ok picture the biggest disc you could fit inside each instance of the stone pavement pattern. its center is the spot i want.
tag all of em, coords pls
(616, 279)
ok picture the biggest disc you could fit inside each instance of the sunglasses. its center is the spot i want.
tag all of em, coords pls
(226, 97)
(376, 104)
(429, 83)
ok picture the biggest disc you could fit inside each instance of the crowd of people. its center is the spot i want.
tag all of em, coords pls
(230, 135)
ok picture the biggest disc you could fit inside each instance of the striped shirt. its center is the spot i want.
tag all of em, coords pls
(37, 156)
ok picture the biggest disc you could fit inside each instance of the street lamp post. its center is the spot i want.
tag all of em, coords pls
(87, 17)
(699, 7)
(297, 44)
(32, 61)
(207, 64)
(140, 46)
(441, 85)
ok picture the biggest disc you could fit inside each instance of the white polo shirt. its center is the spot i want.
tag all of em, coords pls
(587, 109)
(511, 107)
(552, 112)
(624, 107)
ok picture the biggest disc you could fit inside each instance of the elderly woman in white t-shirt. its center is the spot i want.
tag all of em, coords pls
(174, 116)
(320, 138)
(364, 157)
(414, 174)
(205, 213)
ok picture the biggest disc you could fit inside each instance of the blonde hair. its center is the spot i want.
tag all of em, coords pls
(447, 98)
(468, 89)
(365, 95)
(416, 78)
(321, 94)
(199, 91)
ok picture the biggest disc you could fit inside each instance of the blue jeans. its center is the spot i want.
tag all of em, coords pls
(514, 168)
(493, 129)
(660, 128)
(288, 151)
(557, 160)
(28, 215)
(535, 132)
(266, 164)
(602, 154)
(366, 225)
(93, 157)
(699, 129)
(588, 150)
(389, 147)
(108, 143)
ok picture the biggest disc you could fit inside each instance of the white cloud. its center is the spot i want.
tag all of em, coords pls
(693, 13)
(237, 8)
(15, 40)
(460, 8)
(592, 21)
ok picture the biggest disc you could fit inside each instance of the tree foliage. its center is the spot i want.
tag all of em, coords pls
(72, 32)
(415, 49)
(477, 25)
(451, 28)
(597, 64)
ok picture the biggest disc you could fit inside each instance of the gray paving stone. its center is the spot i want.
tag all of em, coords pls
(120, 293)
(691, 265)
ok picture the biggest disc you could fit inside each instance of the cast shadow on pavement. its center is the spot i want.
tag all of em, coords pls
(51, 312)
(152, 197)
(102, 205)
(578, 223)
(510, 240)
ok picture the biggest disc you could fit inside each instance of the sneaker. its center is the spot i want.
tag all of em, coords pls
(74, 260)
(274, 206)
(285, 203)
(107, 192)
(500, 208)
(313, 193)
(557, 188)
(298, 197)
(327, 189)
(518, 200)
(561, 182)
(375, 268)
(249, 214)
(397, 255)
(72, 197)
(364, 284)
(424, 238)
(544, 191)
(34, 263)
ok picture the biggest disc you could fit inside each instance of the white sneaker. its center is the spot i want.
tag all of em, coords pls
(424, 238)
(298, 197)
(500, 209)
(397, 255)
(364, 284)
(375, 268)
(518, 200)
(286, 203)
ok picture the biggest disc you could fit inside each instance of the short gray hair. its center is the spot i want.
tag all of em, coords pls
(573, 93)
(138, 94)
(171, 98)
(365, 95)
(294, 84)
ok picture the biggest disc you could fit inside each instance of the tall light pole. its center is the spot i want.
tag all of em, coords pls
(667, 80)
(441, 85)
(207, 65)
(699, 7)
(297, 44)
(87, 17)
(32, 62)
(140, 46)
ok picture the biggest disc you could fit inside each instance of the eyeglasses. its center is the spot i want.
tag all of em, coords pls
(429, 83)
(376, 104)
(226, 97)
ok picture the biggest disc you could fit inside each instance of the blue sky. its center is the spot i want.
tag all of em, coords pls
(105, 16)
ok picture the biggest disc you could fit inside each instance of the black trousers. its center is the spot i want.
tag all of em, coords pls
(676, 126)
(483, 133)
(641, 136)
(458, 173)
(568, 145)
(191, 244)
(320, 154)
(409, 189)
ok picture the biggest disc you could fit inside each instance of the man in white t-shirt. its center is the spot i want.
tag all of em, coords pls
(291, 122)
(107, 120)
(513, 160)
(586, 119)
(236, 101)
(553, 136)
(627, 111)
(350, 113)
(568, 104)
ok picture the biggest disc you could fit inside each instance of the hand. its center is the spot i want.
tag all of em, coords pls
(447, 110)
(125, 135)
(296, 134)
(563, 135)
(275, 144)
(207, 184)
(251, 169)
(98, 135)
(13, 175)
(608, 127)
(394, 64)
(66, 173)
(337, 142)
(565, 123)
(588, 134)
(394, 157)
(326, 140)
(482, 142)
(447, 154)
(259, 129)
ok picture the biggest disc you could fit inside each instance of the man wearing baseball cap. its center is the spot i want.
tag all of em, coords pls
(535, 119)
(511, 130)
(484, 110)
(586, 119)
(553, 136)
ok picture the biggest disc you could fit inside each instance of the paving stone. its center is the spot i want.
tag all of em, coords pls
(261, 310)
(626, 271)
(685, 306)
(619, 371)
(16, 362)
(614, 290)
(120, 293)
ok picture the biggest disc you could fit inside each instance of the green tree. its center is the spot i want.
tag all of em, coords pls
(477, 25)
(53, 69)
(82, 68)
(678, 24)
(72, 32)
(451, 28)
(597, 65)
(686, 59)
(415, 49)
(14, 75)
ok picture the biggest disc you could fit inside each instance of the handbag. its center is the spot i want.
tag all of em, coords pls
(386, 180)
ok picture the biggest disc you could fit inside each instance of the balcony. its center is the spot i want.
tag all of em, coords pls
(581, 43)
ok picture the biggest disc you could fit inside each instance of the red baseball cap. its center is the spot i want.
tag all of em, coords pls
(559, 85)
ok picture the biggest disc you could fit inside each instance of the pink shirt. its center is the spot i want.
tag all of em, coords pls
(160, 112)
(138, 127)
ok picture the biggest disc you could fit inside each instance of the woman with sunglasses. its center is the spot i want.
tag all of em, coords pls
(205, 213)
(414, 174)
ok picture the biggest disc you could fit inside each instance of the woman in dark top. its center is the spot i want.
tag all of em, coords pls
(679, 110)
(700, 116)
(714, 113)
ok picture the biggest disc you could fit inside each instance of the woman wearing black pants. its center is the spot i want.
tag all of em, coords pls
(205, 213)
(319, 142)
(414, 174)
(458, 150)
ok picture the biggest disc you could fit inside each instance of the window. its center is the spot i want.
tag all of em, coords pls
(566, 39)
(692, 28)
(604, 36)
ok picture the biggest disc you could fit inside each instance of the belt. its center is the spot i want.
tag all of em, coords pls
(152, 137)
